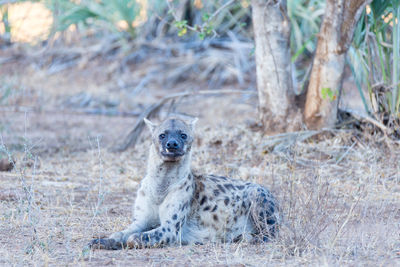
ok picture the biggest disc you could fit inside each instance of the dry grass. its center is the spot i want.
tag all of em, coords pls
(339, 192)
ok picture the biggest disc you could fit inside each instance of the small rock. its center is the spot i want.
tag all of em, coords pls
(5, 165)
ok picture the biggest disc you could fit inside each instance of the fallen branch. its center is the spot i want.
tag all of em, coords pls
(151, 111)
(281, 142)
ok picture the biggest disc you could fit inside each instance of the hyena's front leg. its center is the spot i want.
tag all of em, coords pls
(173, 212)
(144, 219)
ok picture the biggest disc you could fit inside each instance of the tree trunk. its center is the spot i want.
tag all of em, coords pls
(334, 39)
(277, 108)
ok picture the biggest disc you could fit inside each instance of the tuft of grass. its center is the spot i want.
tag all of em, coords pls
(112, 15)
(374, 60)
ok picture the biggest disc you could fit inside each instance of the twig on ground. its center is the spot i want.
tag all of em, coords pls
(347, 219)
(345, 153)
(282, 141)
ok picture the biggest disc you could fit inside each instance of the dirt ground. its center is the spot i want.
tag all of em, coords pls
(339, 191)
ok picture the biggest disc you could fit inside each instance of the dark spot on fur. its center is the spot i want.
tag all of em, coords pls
(215, 208)
(187, 188)
(184, 206)
(235, 219)
(167, 240)
(163, 229)
(271, 208)
(227, 186)
(226, 201)
(215, 217)
(221, 188)
(207, 208)
(168, 222)
(216, 192)
(204, 199)
(145, 238)
(243, 205)
(271, 221)
(261, 214)
(184, 184)
(237, 239)
(240, 187)
(215, 180)
(169, 230)
(178, 225)
(201, 186)
(219, 177)
(175, 217)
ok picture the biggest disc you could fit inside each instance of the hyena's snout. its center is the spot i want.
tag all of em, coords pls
(172, 149)
(173, 145)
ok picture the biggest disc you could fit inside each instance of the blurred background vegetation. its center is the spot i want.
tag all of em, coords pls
(373, 59)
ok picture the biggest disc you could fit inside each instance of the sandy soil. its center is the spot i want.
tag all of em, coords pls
(339, 191)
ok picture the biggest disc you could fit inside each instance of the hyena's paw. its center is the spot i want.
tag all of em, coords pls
(144, 240)
(135, 241)
(105, 243)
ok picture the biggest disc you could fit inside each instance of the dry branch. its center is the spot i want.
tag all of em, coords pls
(151, 111)
(282, 141)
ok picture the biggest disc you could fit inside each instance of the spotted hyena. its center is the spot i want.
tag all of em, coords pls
(176, 206)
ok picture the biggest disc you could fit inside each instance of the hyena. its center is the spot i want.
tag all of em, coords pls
(176, 206)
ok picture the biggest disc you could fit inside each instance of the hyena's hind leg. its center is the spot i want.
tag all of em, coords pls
(264, 214)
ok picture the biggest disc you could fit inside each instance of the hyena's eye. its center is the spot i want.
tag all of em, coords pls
(183, 136)
(161, 136)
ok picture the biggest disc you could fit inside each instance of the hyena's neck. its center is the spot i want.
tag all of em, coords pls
(167, 173)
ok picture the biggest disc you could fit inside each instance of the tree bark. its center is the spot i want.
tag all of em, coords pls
(277, 108)
(334, 39)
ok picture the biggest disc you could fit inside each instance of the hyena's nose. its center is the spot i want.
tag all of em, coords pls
(172, 144)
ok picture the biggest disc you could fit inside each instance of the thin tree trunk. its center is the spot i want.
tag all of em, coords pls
(334, 39)
(277, 108)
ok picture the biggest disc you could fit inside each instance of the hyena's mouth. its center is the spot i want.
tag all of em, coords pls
(172, 155)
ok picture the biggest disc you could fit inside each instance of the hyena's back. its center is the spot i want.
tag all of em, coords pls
(225, 209)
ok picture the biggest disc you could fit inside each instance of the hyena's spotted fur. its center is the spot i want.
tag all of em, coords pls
(175, 206)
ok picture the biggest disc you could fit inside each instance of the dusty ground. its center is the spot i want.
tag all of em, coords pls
(339, 191)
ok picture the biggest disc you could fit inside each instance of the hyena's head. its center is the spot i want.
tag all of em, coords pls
(173, 138)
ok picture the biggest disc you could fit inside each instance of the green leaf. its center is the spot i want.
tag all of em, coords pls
(182, 32)
(180, 24)
(327, 93)
(378, 7)
(202, 35)
(205, 17)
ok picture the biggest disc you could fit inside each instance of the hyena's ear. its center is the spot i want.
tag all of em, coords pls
(193, 122)
(150, 125)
